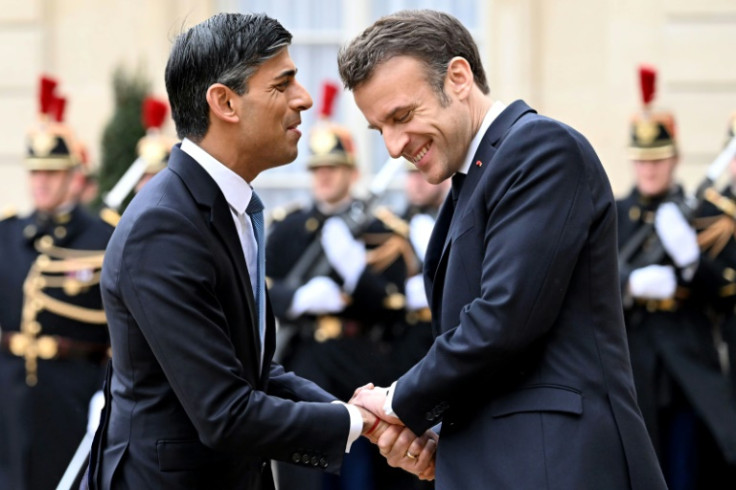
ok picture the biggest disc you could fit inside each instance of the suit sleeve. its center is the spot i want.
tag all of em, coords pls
(167, 280)
(530, 219)
(286, 384)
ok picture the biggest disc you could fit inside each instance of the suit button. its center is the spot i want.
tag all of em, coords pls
(296, 457)
(429, 416)
(323, 462)
(305, 458)
(315, 461)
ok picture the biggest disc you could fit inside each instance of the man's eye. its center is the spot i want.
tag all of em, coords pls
(404, 117)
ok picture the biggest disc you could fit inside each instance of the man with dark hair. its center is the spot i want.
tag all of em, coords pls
(529, 372)
(193, 399)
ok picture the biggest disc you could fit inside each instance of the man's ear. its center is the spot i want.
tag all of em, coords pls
(459, 79)
(221, 100)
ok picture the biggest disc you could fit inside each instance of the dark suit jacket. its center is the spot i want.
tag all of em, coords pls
(529, 373)
(187, 407)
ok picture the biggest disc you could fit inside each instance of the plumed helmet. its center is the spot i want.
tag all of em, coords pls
(51, 144)
(330, 144)
(154, 147)
(652, 131)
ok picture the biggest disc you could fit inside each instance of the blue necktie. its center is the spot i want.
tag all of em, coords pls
(255, 211)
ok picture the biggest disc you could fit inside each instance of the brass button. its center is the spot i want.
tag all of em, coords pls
(43, 261)
(45, 242)
(60, 232)
(33, 328)
(311, 224)
(634, 213)
(72, 287)
(30, 231)
(63, 218)
(19, 344)
(47, 347)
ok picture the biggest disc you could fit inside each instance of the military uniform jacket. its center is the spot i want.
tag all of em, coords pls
(347, 349)
(529, 373)
(374, 299)
(672, 346)
(49, 297)
(716, 223)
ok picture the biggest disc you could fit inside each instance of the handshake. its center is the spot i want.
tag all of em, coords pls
(397, 443)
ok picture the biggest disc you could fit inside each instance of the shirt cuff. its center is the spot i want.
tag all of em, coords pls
(356, 424)
(387, 405)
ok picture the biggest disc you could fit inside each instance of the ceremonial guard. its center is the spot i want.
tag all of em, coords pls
(679, 385)
(338, 297)
(716, 225)
(53, 335)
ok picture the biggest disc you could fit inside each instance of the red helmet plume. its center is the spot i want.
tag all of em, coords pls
(647, 80)
(154, 112)
(329, 94)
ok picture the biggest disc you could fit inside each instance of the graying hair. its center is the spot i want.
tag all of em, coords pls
(432, 37)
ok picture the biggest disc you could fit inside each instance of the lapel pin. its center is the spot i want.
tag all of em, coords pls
(478, 163)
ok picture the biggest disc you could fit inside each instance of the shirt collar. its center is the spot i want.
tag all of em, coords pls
(496, 108)
(236, 190)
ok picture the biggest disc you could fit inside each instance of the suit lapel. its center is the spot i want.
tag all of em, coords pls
(208, 195)
(450, 221)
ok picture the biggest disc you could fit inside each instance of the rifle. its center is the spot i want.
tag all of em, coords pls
(689, 208)
(115, 197)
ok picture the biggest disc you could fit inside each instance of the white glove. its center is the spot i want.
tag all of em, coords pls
(416, 297)
(318, 296)
(96, 403)
(420, 229)
(345, 254)
(653, 282)
(677, 236)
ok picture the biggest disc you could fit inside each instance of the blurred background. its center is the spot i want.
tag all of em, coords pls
(573, 60)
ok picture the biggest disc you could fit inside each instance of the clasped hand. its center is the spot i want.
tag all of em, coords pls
(397, 443)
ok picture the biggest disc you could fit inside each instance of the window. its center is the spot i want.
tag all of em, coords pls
(320, 27)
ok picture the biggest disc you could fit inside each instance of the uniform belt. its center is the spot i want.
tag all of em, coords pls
(653, 305)
(669, 304)
(53, 347)
(331, 327)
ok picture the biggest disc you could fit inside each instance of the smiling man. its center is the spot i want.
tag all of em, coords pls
(529, 373)
(193, 399)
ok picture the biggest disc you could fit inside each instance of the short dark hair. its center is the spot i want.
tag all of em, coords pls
(227, 49)
(430, 36)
